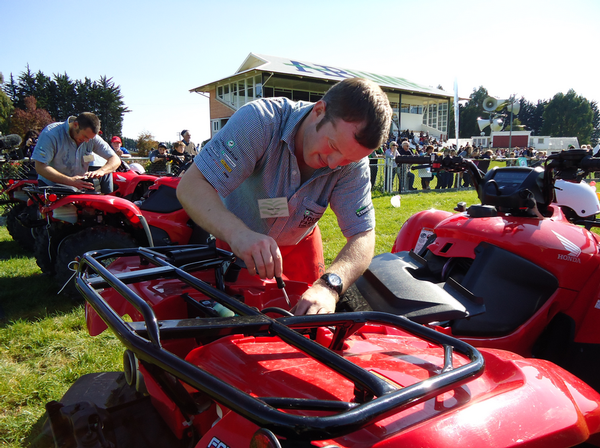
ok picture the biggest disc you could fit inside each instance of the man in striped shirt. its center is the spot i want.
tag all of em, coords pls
(262, 183)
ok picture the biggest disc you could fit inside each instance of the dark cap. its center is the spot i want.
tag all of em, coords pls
(183, 132)
(162, 145)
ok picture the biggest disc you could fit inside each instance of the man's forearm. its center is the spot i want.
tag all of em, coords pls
(111, 165)
(52, 174)
(354, 258)
(350, 263)
(205, 207)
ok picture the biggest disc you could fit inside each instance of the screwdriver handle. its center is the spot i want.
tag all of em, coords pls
(280, 283)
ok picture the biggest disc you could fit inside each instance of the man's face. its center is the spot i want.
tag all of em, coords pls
(405, 146)
(187, 136)
(332, 145)
(81, 135)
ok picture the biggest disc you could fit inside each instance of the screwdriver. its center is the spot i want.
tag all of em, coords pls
(281, 285)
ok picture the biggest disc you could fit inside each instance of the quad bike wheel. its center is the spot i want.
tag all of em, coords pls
(41, 250)
(92, 238)
(18, 231)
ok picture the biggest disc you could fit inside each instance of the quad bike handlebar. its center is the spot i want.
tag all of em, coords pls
(374, 397)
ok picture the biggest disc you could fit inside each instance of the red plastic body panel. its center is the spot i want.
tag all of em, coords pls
(542, 241)
(516, 401)
(567, 251)
(105, 203)
(17, 186)
(126, 183)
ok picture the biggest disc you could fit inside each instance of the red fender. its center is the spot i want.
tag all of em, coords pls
(105, 203)
(411, 230)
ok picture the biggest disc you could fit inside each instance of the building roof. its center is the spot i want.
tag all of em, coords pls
(294, 67)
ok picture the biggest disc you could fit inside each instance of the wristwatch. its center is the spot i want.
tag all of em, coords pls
(333, 282)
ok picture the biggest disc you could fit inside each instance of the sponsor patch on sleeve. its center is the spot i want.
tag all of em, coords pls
(363, 210)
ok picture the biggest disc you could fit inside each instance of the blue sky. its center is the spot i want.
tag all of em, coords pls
(158, 50)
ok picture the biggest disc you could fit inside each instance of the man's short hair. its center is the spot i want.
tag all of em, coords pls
(358, 100)
(87, 120)
(183, 132)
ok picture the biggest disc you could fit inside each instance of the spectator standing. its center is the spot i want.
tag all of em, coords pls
(391, 167)
(190, 147)
(25, 150)
(425, 173)
(484, 164)
(374, 165)
(407, 178)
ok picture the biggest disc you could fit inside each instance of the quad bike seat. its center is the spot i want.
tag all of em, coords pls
(512, 288)
(392, 284)
(162, 200)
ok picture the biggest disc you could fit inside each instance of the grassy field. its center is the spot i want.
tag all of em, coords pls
(44, 345)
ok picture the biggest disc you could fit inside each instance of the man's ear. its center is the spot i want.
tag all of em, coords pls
(319, 108)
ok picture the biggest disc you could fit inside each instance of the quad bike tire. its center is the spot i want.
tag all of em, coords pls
(18, 231)
(92, 238)
(41, 250)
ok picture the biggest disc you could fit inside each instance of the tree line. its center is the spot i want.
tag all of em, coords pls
(565, 115)
(34, 100)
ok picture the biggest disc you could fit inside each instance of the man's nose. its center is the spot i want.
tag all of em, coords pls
(335, 160)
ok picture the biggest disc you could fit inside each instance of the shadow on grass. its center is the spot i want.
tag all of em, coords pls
(11, 249)
(31, 298)
(40, 435)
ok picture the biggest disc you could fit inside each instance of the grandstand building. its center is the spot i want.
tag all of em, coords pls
(416, 107)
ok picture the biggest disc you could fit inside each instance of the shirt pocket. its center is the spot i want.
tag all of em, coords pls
(309, 213)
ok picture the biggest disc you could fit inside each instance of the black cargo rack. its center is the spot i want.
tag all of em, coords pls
(144, 339)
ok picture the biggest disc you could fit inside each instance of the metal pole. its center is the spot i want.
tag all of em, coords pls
(511, 122)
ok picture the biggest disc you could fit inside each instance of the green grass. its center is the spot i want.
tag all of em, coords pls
(44, 345)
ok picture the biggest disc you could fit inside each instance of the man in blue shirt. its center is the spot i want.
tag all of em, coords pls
(262, 183)
(65, 150)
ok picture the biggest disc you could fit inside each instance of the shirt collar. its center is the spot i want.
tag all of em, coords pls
(70, 120)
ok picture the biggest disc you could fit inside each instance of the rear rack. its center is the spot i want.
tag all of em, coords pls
(145, 340)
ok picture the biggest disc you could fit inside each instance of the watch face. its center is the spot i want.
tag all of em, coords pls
(333, 281)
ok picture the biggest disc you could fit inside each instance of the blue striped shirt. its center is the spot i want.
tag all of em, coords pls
(253, 158)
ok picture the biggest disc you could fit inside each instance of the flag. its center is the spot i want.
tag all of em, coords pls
(456, 117)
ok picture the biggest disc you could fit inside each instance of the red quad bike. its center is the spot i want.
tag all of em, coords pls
(77, 223)
(21, 218)
(16, 199)
(14, 175)
(512, 273)
(205, 367)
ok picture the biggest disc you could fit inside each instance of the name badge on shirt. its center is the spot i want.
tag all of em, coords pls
(273, 208)
(88, 158)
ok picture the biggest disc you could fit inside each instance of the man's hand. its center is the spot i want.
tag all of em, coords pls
(81, 183)
(260, 253)
(316, 300)
(94, 174)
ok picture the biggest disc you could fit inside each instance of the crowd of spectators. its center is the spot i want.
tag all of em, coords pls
(402, 177)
